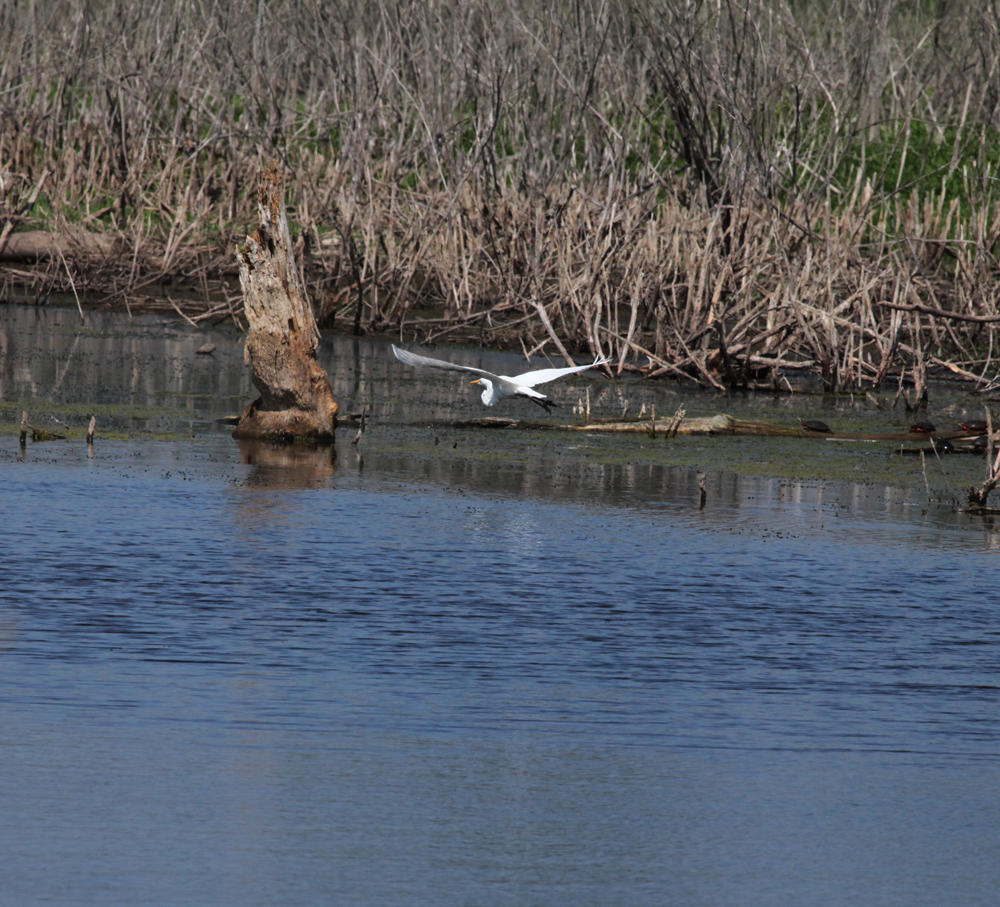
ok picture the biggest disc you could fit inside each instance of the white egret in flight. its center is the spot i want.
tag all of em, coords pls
(498, 386)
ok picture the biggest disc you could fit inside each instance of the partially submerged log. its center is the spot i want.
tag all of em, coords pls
(705, 425)
(296, 401)
(710, 425)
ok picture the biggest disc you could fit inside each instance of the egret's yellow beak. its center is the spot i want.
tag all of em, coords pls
(474, 382)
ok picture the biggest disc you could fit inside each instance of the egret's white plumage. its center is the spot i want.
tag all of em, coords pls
(498, 386)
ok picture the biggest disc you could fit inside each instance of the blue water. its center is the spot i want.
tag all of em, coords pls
(400, 680)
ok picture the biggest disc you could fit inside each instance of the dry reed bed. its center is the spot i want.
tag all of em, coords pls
(716, 191)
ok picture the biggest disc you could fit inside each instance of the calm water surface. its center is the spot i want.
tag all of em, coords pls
(413, 673)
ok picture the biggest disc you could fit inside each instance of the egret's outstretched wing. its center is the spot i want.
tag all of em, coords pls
(414, 359)
(543, 376)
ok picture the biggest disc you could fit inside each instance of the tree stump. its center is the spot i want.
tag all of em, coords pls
(296, 401)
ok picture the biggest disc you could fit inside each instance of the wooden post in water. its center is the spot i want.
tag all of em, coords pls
(296, 401)
(675, 423)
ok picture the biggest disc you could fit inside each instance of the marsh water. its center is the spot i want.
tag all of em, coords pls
(477, 667)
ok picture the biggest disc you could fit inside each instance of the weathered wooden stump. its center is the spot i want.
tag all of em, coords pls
(296, 401)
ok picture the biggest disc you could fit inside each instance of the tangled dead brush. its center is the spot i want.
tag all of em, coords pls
(717, 192)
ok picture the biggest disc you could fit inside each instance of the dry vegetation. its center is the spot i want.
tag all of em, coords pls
(712, 190)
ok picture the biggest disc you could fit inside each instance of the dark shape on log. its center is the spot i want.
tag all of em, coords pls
(296, 401)
(815, 425)
(976, 425)
(922, 427)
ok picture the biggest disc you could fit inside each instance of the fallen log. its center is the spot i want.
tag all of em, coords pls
(296, 401)
(39, 245)
(711, 425)
(704, 425)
